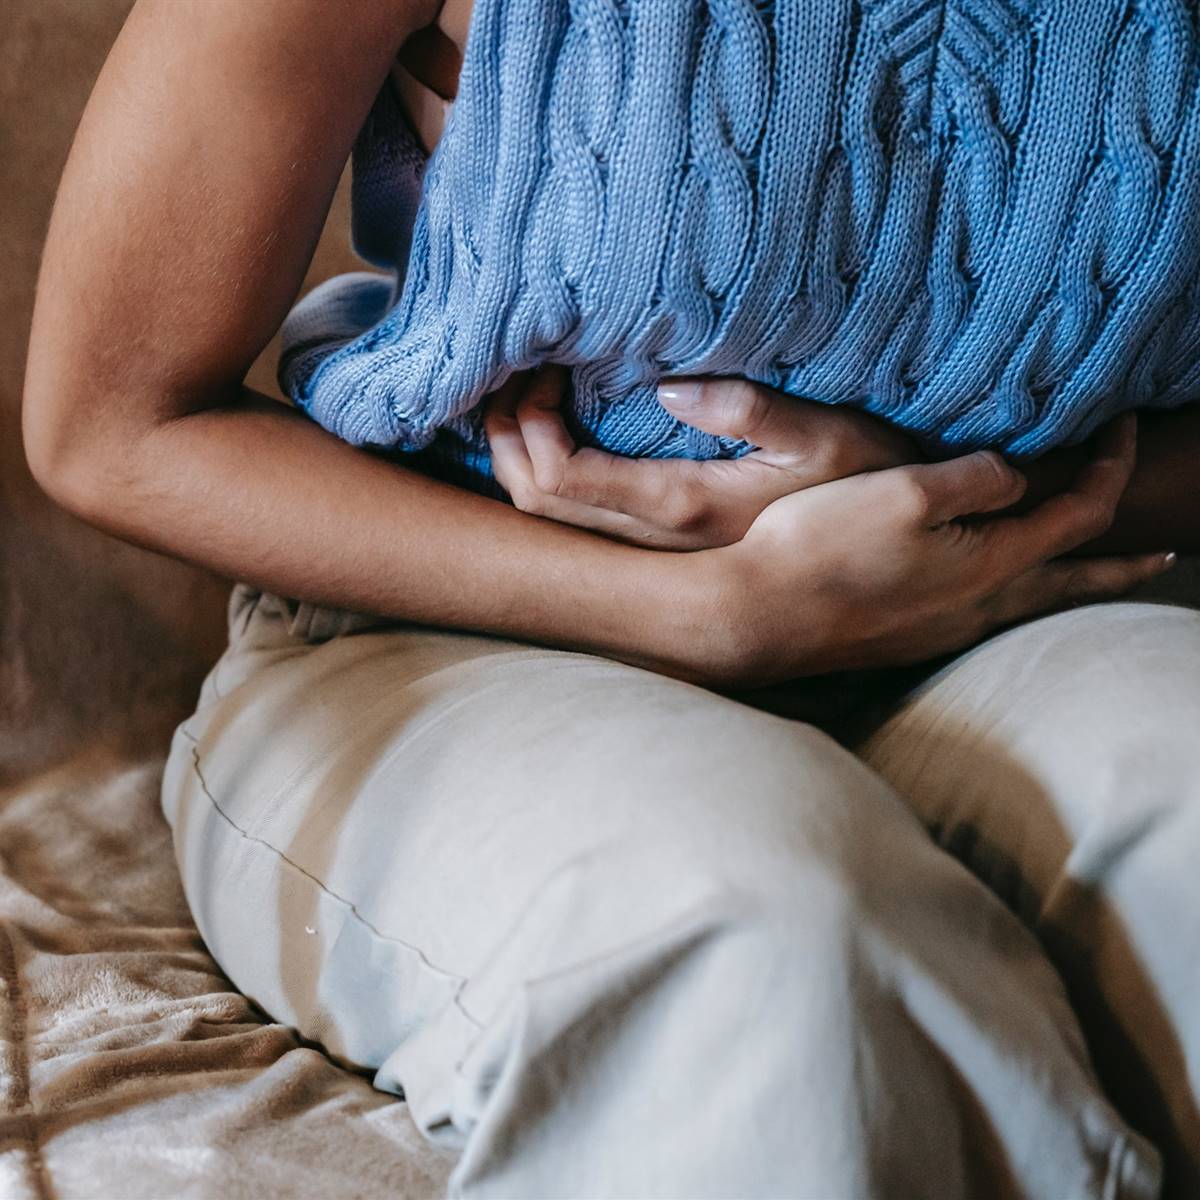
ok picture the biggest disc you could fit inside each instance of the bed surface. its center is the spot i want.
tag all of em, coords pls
(129, 1067)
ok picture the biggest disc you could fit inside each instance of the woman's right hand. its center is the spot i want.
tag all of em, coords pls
(896, 566)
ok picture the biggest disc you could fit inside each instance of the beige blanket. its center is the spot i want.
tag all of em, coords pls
(129, 1067)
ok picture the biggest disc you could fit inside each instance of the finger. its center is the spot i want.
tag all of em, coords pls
(1082, 512)
(513, 467)
(1066, 583)
(931, 494)
(752, 412)
(637, 487)
(510, 460)
(827, 441)
(539, 413)
(675, 502)
(660, 490)
(667, 493)
(587, 476)
(504, 398)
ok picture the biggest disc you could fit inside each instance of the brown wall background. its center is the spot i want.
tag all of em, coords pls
(99, 642)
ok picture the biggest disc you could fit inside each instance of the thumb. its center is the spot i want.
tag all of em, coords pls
(738, 408)
(974, 483)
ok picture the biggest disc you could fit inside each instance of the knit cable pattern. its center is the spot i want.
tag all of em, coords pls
(979, 219)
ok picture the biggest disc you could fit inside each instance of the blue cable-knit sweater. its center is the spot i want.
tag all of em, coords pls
(978, 219)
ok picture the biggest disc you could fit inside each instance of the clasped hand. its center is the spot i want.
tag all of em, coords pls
(832, 545)
(678, 504)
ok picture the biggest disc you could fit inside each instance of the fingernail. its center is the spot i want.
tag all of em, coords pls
(1169, 560)
(679, 393)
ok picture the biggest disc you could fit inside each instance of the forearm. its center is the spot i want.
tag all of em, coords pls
(191, 201)
(1160, 509)
(257, 492)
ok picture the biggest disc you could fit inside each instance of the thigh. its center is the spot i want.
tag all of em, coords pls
(395, 837)
(363, 819)
(1061, 762)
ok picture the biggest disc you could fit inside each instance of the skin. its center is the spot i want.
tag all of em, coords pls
(676, 504)
(178, 242)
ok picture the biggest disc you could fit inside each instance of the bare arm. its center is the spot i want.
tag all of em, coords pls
(189, 208)
(1161, 506)
(194, 195)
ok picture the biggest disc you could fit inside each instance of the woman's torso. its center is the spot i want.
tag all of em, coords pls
(985, 227)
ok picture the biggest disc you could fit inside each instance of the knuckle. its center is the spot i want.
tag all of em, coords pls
(1074, 580)
(1088, 580)
(684, 509)
(910, 499)
(1130, 576)
(994, 465)
(526, 497)
(746, 406)
(552, 478)
(994, 573)
(833, 454)
(1107, 513)
(1106, 579)
(610, 489)
(1096, 517)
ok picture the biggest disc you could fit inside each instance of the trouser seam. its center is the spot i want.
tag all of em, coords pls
(460, 981)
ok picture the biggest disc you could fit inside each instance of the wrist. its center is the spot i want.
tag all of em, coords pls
(590, 594)
(706, 623)
(753, 628)
(663, 610)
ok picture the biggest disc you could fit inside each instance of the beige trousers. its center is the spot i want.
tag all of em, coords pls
(617, 936)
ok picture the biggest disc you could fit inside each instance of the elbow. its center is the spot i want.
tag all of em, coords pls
(71, 464)
(52, 452)
(89, 408)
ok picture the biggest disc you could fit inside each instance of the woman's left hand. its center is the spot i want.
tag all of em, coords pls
(679, 504)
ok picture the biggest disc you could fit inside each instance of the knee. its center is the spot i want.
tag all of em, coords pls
(1109, 676)
(1100, 721)
(1066, 745)
(645, 969)
(764, 908)
(1074, 694)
